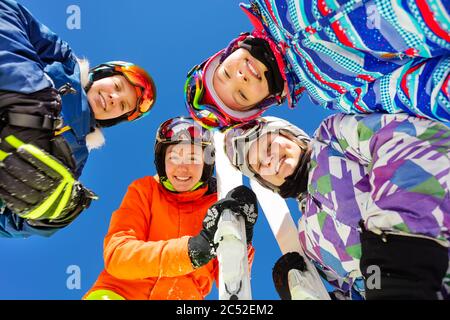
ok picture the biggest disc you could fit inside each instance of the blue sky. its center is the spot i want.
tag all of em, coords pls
(167, 38)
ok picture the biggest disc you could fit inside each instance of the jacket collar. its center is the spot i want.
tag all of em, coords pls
(182, 197)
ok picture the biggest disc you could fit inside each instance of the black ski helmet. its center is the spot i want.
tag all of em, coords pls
(183, 130)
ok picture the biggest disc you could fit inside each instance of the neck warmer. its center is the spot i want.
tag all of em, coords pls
(168, 185)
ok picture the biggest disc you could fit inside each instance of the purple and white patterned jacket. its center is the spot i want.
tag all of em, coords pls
(391, 171)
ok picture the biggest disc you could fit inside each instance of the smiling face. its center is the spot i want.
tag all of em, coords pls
(274, 157)
(111, 97)
(239, 81)
(184, 165)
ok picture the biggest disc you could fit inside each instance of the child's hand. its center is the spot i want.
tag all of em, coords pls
(241, 200)
(202, 247)
(247, 206)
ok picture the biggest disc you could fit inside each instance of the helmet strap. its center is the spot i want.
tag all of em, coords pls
(111, 122)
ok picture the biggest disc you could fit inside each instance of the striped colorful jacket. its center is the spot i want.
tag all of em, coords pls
(390, 171)
(363, 56)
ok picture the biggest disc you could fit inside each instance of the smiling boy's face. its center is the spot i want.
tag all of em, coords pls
(112, 97)
(239, 81)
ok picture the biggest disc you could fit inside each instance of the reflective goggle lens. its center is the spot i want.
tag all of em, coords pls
(182, 129)
(205, 114)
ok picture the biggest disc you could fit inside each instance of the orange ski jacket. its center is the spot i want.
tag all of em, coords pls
(146, 248)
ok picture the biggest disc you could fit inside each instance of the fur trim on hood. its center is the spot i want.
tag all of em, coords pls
(84, 72)
(96, 139)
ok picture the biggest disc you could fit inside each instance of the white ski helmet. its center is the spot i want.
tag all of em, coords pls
(239, 139)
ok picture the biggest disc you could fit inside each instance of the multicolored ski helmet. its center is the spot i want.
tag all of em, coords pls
(183, 130)
(138, 77)
(239, 139)
(214, 114)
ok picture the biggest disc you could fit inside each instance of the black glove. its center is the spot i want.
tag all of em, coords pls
(247, 206)
(202, 247)
(287, 262)
(240, 200)
(37, 186)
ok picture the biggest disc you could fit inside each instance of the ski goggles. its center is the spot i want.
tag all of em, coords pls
(144, 86)
(238, 140)
(183, 129)
(207, 115)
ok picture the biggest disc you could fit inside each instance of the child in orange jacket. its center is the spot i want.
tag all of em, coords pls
(160, 243)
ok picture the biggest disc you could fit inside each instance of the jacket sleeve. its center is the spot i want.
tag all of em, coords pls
(341, 288)
(421, 87)
(48, 45)
(408, 166)
(127, 254)
(13, 226)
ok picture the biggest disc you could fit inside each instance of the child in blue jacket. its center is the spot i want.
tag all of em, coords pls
(51, 108)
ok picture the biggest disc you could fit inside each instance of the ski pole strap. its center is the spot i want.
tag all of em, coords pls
(52, 206)
(46, 122)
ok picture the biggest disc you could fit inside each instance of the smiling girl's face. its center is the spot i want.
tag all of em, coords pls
(239, 81)
(184, 165)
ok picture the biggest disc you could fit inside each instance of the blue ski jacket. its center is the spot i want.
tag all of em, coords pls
(33, 58)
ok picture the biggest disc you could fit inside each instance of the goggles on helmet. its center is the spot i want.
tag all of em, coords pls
(207, 115)
(183, 129)
(144, 86)
(138, 77)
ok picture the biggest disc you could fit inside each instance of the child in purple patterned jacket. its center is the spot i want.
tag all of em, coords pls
(374, 192)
